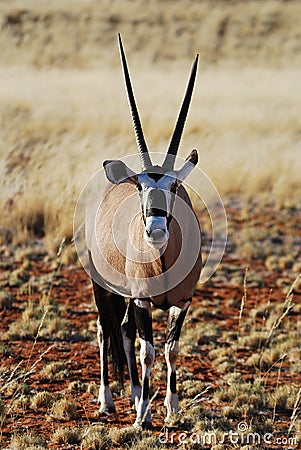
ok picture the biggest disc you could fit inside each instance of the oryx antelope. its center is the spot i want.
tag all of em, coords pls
(143, 240)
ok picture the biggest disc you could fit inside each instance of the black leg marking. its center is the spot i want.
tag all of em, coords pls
(105, 397)
(111, 309)
(145, 388)
(143, 320)
(129, 331)
(102, 302)
(173, 382)
(175, 323)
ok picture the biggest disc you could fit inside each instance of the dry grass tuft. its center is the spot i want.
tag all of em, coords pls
(55, 370)
(67, 436)
(125, 436)
(39, 319)
(96, 438)
(64, 409)
(148, 442)
(27, 441)
(42, 399)
(22, 403)
(6, 299)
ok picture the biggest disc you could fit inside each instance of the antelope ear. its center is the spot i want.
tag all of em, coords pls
(117, 172)
(189, 164)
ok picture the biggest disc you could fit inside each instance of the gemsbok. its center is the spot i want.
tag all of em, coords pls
(144, 245)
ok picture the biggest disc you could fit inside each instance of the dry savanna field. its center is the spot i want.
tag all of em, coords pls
(63, 111)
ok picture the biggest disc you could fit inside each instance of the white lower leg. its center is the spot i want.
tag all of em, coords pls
(171, 400)
(129, 348)
(147, 357)
(105, 397)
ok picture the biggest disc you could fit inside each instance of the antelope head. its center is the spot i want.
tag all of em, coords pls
(157, 185)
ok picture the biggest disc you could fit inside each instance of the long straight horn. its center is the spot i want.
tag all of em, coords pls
(177, 134)
(141, 144)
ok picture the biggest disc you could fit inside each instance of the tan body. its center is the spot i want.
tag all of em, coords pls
(114, 233)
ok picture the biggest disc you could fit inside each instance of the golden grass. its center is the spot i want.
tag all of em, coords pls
(66, 435)
(81, 33)
(28, 441)
(245, 124)
(64, 409)
(63, 107)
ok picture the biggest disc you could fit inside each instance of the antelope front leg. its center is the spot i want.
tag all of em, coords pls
(128, 328)
(175, 322)
(105, 397)
(143, 318)
(102, 301)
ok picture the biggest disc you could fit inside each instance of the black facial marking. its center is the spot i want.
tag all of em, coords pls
(174, 188)
(155, 175)
(168, 220)
(156, 203)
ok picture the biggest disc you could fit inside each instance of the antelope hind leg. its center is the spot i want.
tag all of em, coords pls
(129, 329)
(143, 320)
(175, 322)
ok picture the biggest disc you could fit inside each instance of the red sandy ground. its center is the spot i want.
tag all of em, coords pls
(82, 357)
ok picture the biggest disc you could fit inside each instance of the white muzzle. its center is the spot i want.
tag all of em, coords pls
(156, 233)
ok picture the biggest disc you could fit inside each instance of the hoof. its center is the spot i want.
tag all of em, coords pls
(147, 426)
(143, 425)
(107, 410)
(135, 397)
(172, 419)
(134, 405)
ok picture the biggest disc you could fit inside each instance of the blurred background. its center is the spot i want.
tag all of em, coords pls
(63, 108)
